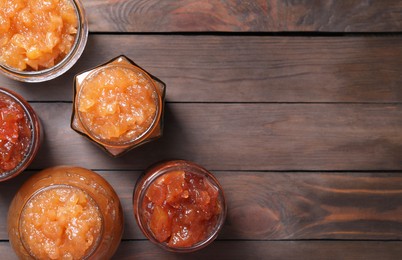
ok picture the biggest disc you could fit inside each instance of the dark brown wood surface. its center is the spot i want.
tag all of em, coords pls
(299, 119)
(244, 16)
(244, 137)
(280, 250)
(247, 69)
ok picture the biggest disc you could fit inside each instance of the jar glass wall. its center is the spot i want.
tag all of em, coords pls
(118, 106)
(20, 134)
(179, 206)
(65, 212)
(39, 55)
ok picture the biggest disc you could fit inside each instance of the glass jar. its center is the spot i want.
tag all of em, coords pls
(68, 212)
(179, 206)
(20, 134)
(118, 106)
(60, 66)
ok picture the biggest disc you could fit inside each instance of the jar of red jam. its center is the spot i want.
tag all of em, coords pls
(19, 134)
(179, 206)
(65, 213)
(118, 106)
(40, 40)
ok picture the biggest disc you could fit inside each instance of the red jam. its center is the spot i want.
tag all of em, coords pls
(181, 208)
(15, 134)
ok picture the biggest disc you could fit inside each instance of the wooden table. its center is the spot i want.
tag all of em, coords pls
(295, 106)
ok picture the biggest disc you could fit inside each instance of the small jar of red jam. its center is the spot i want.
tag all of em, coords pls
(40, 40)
(19, 134)
(65, 213)
(118, 105)
(179, 206)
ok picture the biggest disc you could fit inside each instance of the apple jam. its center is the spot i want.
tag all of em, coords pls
(61, 222)
(36, 34)
(181, 208)
(15, 133)
(117, 104)
(65, 212)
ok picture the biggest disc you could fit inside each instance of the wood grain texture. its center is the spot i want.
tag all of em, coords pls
(244, 137)
(243, 16)
(247, 69)
(312, 250)
(7, 252)
(328, 250)
(361, 206)
(281, 206)
(304, 133)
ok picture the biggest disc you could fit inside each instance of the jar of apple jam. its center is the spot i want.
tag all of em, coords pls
(19, 134)
(65, 213)
(179, 205)
(40, 40)
(118, 105)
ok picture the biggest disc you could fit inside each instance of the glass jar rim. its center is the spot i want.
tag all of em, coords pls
(97, 242)
(63, 65)
(35, 134)
(159, 170)
(140, 137)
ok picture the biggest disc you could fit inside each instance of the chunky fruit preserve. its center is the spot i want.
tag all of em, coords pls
(60, 223)
(65, 212)
(181, 208)
(117, 104)
(15, 133)
(36, 34)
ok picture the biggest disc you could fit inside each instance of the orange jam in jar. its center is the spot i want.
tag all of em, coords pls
(60, 223)
(117, 104)
(65, 212)
(180, 206)
(15, 133)
(36, 34)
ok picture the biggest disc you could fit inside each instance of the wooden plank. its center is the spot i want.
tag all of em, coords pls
(352, 206)
(6, 251)
(244, 16)
(244, 137)
(247, 69)
(281, 206)
(353, 250)
(328, 250)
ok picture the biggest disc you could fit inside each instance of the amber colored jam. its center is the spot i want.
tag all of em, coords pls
(60, 223)
(15, 133)
(36, 34)
(181, 208)
(117, 104)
